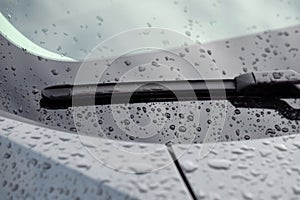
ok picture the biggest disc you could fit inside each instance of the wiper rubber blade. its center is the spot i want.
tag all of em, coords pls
(272, 84)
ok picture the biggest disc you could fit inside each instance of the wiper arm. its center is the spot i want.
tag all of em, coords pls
(273, 84)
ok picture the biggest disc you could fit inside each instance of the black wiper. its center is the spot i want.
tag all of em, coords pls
(256, 85)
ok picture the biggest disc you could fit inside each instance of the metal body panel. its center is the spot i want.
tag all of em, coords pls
(40, 163)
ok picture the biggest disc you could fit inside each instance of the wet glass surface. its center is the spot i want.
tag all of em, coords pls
(73, 28)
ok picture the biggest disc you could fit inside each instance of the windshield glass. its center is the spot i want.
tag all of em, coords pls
(73, 28)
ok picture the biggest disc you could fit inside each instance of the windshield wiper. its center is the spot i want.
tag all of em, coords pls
(268, 86)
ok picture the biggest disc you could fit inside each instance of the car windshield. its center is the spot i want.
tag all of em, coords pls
(74, 28)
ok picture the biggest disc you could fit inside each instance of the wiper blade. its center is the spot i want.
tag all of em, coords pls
(273, 84)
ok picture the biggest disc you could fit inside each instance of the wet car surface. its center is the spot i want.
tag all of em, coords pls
(222, 152)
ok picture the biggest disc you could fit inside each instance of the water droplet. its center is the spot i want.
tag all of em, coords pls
(189, 166)
(54, 72)
(280, 147)
(142, 68)
(182, 129)
(220, 164)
